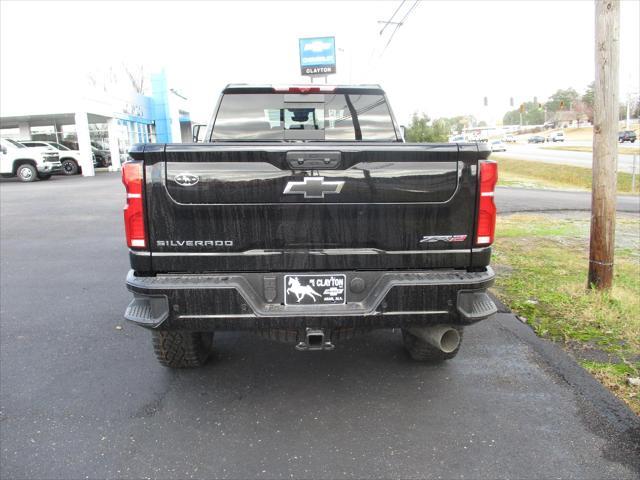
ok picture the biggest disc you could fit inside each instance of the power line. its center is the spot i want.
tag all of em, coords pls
(386, 24)
(399, 24)
(409, 11)
(390, 22)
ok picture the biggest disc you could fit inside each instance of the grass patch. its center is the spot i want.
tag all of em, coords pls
(583, 148)
(614, 378)
(514, 172)
(542, 263)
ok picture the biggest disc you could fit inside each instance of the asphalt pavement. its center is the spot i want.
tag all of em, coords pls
(538, 153)
(82, 398)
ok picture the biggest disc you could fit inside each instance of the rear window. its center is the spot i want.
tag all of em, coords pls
(277, 116)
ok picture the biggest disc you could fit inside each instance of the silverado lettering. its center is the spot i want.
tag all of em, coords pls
(338, 227)
(194, 243)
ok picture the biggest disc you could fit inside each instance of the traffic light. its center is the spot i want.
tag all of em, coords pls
(561, 104)
(522, 108)
(486, 101)
(511, 101)
(540, 106)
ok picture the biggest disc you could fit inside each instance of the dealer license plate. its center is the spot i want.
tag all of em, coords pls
(314, 289)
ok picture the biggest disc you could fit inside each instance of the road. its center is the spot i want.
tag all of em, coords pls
(510, 200)
(535, 152)
(82, 398)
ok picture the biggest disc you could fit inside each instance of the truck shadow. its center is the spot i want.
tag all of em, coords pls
(369, 369)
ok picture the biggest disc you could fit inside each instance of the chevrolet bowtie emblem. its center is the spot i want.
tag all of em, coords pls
(313, 187)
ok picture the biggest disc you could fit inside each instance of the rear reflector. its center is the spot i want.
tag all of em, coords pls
(132, 178)
(486, 222)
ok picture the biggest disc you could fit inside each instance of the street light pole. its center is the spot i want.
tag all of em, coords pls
(350, 62)
(605, 145)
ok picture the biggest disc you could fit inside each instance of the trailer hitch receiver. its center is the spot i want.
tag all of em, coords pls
(315, 339)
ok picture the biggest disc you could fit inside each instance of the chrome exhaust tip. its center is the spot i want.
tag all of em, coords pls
(315, 340)
(443, 337)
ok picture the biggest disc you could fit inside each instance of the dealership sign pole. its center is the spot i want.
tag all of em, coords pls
(317, 57)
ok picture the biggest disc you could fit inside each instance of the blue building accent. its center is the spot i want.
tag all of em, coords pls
(160, 107)
(151, 120)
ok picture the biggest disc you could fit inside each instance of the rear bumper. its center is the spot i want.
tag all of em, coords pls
(248, 301)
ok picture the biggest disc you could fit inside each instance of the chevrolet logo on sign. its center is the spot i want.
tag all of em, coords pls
(313, 187)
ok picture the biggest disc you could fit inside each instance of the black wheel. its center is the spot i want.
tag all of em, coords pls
(69, 167)
(422, 351)
(44, 176)
(182, 349)
(27, 173)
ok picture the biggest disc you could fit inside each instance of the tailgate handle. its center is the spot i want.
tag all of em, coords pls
(313, 160)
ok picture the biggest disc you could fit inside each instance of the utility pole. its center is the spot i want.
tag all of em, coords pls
(605, 144)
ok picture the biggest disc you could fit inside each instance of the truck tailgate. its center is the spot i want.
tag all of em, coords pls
(309, 206)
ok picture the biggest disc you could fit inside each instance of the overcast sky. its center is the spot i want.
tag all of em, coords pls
(444, 59)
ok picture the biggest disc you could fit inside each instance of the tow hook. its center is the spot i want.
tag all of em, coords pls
(315, 340)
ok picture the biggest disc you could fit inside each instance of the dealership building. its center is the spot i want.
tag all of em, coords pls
(110, 110)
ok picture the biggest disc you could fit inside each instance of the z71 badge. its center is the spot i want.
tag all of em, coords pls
(443, 238)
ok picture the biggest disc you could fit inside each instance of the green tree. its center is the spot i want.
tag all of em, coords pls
(588, 97)
(461, 122)
(512, 117)
(532, 115)
(587, 101)
(634, 107)
(567, 96)
(622, 111)
(422, 129)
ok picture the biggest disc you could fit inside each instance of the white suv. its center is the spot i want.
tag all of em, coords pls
(556, 137)
(70, 159)
(28, 164)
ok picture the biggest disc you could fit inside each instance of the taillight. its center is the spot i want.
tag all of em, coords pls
(486, 222)
(132, 178)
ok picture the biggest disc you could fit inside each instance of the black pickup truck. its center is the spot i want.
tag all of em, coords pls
(305, 218)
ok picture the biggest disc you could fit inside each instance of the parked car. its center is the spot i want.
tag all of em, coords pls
(70, 159)
(627, 136)
(498, 146)
(424, 271)
(535, 139)
(556, 137)
(28, 164)
(509, 139)
(103, 157)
